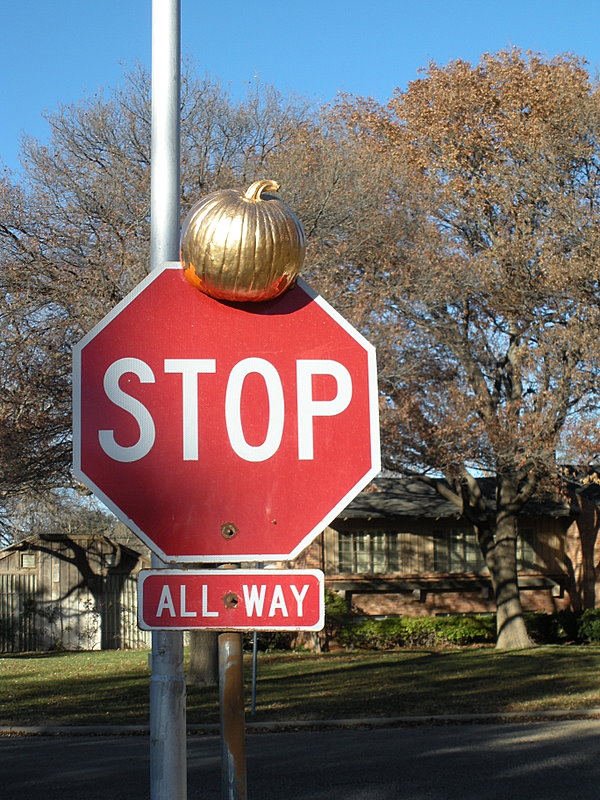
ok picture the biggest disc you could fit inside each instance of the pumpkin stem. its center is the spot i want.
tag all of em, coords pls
(254, 191)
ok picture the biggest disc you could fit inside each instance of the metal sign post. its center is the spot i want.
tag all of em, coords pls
(168, 762)
(165, 154)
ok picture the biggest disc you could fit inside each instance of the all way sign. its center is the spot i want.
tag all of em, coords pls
(240, 600)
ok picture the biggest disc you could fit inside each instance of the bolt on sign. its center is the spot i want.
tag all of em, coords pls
(260, 599)
(224, 431)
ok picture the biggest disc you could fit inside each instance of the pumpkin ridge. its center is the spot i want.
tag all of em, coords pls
(255, 240)
(241, 246)
(271, 241)
(249, 265)
(191, 230)
(285, 244)
(194, 221)
(215, 269)
(203, 234)
(275, 223)
(261, 248)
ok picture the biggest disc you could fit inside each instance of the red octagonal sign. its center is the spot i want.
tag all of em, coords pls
(224, 432)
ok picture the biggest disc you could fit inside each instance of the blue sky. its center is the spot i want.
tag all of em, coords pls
(58, 52)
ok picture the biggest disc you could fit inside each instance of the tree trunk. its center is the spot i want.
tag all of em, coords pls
(204, 659)
(510, 624)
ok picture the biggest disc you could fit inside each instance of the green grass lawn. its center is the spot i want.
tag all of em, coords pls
(112, 687)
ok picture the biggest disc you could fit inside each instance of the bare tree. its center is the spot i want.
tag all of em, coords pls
(74, 239)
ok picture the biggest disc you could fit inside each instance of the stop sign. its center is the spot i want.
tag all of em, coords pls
(224, 432)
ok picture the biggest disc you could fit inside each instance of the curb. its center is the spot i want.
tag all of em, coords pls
(364, 723)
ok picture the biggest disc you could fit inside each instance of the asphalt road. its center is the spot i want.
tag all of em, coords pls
(539, 761)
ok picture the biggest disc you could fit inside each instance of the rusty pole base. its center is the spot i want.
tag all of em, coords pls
(233, 725)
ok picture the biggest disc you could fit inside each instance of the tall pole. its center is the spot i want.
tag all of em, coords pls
(168, 763)
(165, 154)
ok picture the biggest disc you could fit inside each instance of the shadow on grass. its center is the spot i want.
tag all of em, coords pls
(81, 688)
(49, 654)
(434, 683)
(113, 688)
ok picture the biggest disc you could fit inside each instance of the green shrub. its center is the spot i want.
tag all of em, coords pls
(589, 625)
(389, 633)
(337, 614)
(393, 632)
(337, 611)
(468, 629)
(415, 631)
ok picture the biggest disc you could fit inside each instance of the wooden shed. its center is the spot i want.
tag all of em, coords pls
(71, 592)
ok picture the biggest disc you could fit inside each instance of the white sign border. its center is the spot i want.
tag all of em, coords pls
(237, 574)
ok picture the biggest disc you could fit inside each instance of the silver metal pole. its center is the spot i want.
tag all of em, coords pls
(168, 763)
(233, 726)
(165, 153)
(254, 672)
(257, 565)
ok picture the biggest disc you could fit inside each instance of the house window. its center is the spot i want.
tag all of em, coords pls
(454, 550)
(108, 559)
(28, 560)
(368, 551)
(526, 558)
(457, 550)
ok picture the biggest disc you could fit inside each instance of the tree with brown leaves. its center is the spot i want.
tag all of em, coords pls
(486, 298)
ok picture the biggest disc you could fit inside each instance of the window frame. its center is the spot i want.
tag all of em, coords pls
(379, 554)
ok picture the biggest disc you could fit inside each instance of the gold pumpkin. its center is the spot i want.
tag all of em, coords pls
(241, 247)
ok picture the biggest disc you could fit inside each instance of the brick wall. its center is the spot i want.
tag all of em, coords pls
(431, 603)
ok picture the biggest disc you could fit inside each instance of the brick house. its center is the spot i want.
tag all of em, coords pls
(400, 548)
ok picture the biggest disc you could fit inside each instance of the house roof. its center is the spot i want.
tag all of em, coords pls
(79, 538)
(387, 498)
